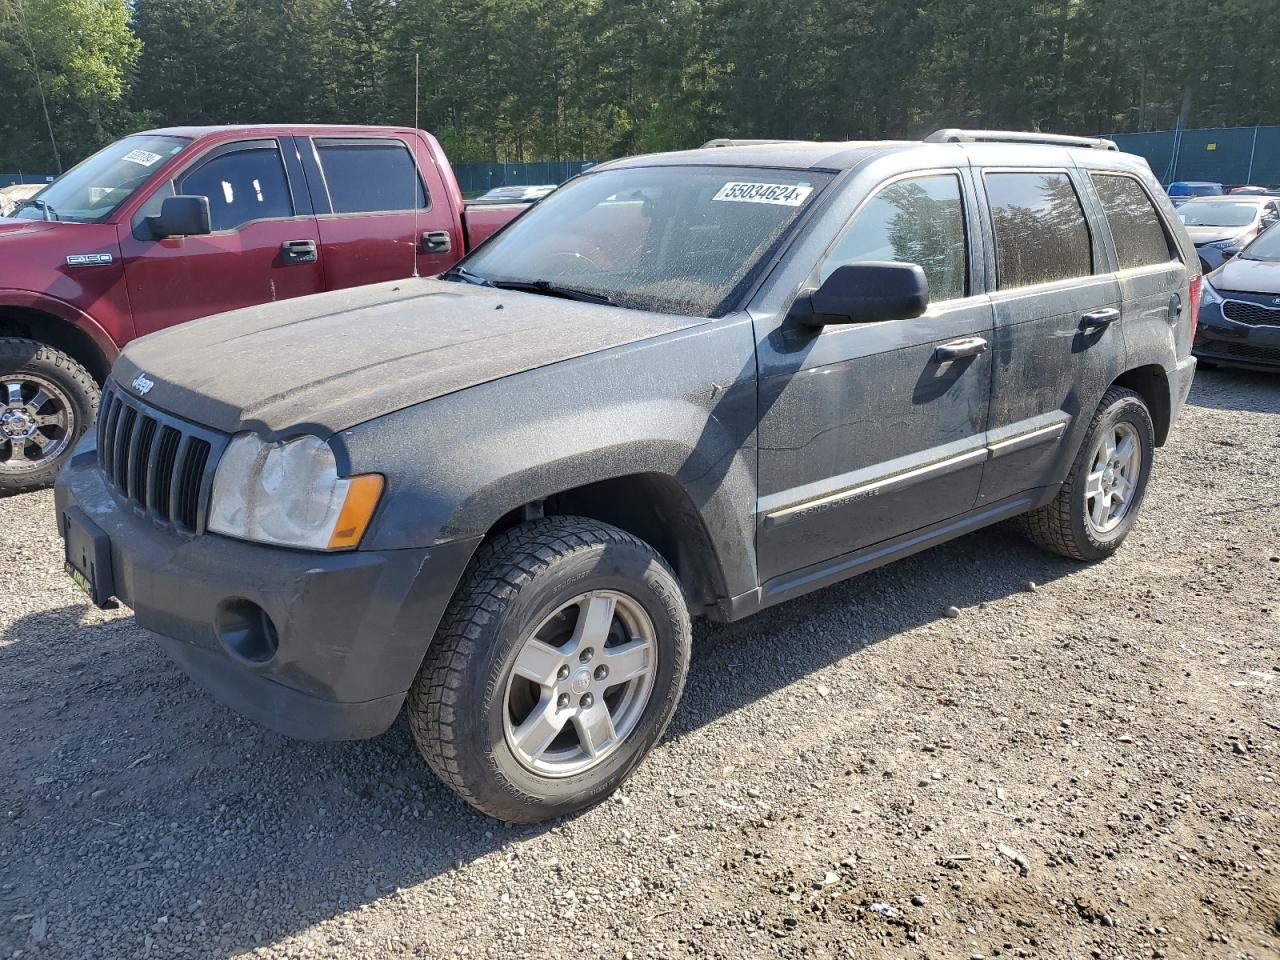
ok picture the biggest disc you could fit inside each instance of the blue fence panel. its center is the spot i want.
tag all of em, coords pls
(9, 179)
(1230, 155)
(479, 177)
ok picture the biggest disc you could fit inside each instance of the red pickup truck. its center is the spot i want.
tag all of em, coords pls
(169, 225)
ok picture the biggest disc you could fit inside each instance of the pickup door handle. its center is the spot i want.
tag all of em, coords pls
(299, 251)
(435, 241)
(1098, 319)
(958, 349)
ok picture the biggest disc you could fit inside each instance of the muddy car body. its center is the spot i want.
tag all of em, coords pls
(692, 384)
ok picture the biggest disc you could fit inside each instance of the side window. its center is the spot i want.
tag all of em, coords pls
(1041, 233)
(920, 220)
(243, 185)
(371, 176)
(1139, 235)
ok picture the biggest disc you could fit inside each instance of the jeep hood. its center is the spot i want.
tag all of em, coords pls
(328, 362)
(1247, 276)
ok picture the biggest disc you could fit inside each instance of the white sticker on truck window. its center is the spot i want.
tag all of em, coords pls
(143, 157)
(783, 194)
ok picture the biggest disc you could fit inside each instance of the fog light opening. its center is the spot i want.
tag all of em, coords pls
(246, 631)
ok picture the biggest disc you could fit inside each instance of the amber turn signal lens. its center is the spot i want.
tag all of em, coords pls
(363, 493)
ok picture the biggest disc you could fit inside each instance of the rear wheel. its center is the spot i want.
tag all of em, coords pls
(555, 670)
(1098, 503)
(46, 402)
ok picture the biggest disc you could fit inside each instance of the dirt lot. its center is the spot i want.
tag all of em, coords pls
(1083, 768)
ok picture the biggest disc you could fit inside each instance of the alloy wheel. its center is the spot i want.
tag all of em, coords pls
(37, 421)
(1113, 477)
(580, 683)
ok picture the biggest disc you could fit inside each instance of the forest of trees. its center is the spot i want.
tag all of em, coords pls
(553, 79)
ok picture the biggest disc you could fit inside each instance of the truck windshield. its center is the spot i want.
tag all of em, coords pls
(679, 239)
(93, 188)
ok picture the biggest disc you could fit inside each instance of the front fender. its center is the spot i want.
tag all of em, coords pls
(43, 303)
(681, 405)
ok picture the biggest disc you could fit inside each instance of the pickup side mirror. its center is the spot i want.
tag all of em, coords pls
(182, 216)
(866, 292)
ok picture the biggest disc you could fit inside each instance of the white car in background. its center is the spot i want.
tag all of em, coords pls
(1221, 227)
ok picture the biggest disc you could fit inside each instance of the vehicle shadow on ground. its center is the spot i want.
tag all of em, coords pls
(1212, 382)
(169, 805)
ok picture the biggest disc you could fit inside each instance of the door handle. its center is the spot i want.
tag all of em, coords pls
(958, 349)
(299, 251)
(1099, 319)
(435, 241)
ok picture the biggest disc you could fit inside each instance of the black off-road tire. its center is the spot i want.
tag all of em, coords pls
(518, 578)
(1061, 526)
(19, 356)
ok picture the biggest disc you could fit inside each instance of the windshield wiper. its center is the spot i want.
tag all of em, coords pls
(462, 273)
(552, 290)
(42, 205)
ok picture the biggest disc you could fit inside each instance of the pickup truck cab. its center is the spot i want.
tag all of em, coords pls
(686, 385)
(169, 225)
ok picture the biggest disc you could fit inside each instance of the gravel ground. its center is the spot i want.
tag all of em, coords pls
(1083, 767)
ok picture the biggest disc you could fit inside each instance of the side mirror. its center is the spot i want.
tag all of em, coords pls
(866, 292)
(1231, 251)
(183, 216)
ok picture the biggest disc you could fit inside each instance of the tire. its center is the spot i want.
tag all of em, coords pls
(47, 400)
(535, 582)
(1066, 524)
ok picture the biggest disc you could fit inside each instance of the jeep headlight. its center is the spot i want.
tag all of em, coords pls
(289, 493)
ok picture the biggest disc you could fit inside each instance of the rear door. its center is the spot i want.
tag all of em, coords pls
(867, 430)
(263, 246)
(376, 210)
(1152, 276)
(1057, 339)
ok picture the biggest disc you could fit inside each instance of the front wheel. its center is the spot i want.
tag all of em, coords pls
(1098, 503)
(556, 668)
(46, 402)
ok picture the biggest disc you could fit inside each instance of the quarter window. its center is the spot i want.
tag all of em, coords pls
(243, 185)
(371, 176)
(1041, 233)
(920, 220)
(1135, 226)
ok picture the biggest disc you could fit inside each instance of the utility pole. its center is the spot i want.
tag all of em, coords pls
(35, 72)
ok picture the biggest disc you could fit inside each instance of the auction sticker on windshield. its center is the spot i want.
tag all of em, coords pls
(783, 194)
(144, 157)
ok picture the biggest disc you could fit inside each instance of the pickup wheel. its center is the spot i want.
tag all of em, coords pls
(46, 402)
(1098, 503)
(557, 666)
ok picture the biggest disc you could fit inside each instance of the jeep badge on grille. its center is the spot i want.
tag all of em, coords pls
(142, 384)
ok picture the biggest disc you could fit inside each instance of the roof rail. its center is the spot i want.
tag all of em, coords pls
(954, 135)
(729, 142)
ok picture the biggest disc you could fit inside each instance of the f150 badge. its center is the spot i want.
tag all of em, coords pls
(142, 384)
(88, 259)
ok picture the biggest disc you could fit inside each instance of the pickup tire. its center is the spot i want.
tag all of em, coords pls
(47, 400)
(1113, 464)
(556, 667)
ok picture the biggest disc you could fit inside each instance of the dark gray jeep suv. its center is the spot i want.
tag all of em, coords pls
(694, 384)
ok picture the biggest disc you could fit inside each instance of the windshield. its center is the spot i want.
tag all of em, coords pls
(1266, 247)
(1216, 213)
(670, 239)
(92, 189)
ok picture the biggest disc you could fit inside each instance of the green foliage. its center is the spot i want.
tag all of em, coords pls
(512, 80)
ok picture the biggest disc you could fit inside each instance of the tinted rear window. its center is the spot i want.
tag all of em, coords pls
(371, 176)
(1140, 238)
(1041, 233)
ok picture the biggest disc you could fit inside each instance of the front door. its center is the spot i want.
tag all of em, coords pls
(1058, 341)
(264, 245)
(872, 430)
